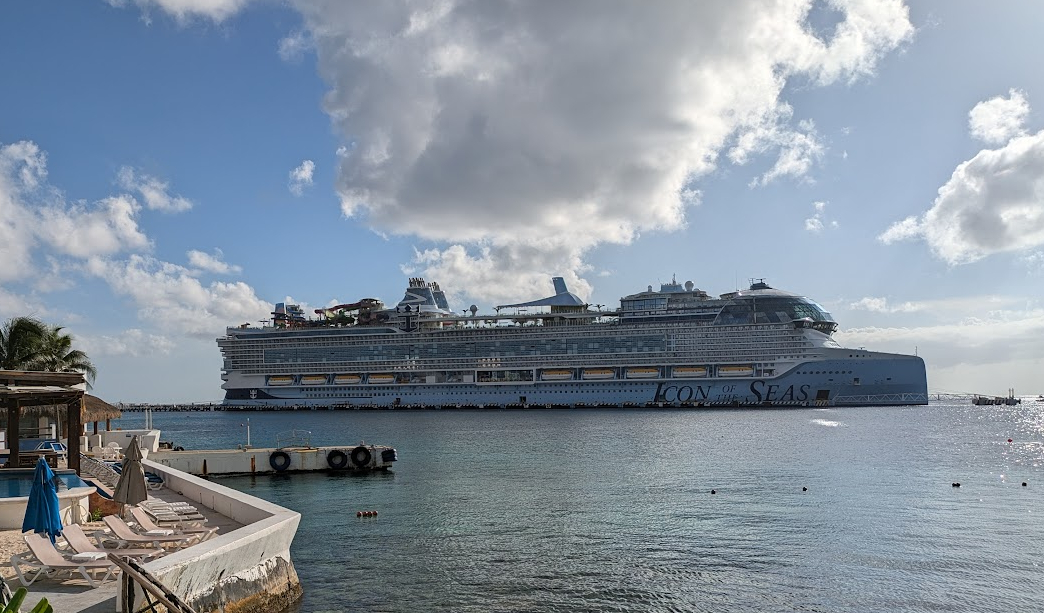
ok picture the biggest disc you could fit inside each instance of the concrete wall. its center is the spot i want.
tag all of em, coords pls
(73, 506)
(243, 571)
(254, 460)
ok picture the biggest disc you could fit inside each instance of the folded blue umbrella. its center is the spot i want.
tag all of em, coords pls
(41, 513)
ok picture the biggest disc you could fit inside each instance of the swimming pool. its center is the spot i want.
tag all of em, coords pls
(15, 484)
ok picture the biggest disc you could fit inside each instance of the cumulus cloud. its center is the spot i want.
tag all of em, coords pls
(152, 190)
(998, 120)
(35, 217)
(133, 342)
(301, 177)
(211, 263)
(216, 10)
(489, 127)
(993, 203)
(815, 223)
(170, 297)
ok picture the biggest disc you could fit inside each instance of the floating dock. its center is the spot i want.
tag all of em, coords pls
(257, 460)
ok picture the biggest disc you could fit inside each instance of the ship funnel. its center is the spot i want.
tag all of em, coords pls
(560, 286)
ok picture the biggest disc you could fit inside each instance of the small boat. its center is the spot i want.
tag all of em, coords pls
(744, 370)
(347, 379)
(642, 373)
(684, 372)
(280, 380)
(556, 375)
(380, 378)
(314, 379)
(599, 373)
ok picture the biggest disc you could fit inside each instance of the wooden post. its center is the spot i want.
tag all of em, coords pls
(13, 411)
(96, 427)
(73, 410)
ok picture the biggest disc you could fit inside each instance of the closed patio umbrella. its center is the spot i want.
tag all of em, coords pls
(130, 489)
(41, 512)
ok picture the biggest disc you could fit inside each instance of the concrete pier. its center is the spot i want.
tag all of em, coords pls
(255, 460)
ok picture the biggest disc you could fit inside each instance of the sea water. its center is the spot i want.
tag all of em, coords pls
(848, 509)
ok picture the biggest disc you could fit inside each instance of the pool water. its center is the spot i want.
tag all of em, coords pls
(19, 484)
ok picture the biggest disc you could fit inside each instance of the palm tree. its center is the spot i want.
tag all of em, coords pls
(20, 340)
(57, 355)
(29, 344)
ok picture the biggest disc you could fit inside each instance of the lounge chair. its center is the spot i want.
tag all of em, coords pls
(144, 520)
(125, 536)
(49, 562)
(79, 543)
(180, 513)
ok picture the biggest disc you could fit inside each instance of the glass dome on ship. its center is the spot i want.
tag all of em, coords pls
(676, 346)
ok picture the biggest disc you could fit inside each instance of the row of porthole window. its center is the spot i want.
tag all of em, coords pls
(825, 372)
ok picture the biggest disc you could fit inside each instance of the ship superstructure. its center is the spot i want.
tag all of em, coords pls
(676, 346)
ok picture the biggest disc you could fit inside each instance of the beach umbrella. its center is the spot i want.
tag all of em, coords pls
(41, 513)
(130, 489)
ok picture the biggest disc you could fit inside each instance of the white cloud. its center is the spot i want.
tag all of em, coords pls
(152, 190)
(815, 223)
(498, 125)
(36, 220)
(182, 10)
(998, 120)
(109, 226)
(293, 46)
(993, 203)
(211, 263)
(301, 177)
(169, 297)
(880, 305)
(1003, 336)
(133, 342)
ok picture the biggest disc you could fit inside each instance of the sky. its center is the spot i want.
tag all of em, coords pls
(172, 167)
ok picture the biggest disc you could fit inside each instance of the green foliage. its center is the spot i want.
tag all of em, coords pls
(29, 344)
(96, 515)
(19, 596)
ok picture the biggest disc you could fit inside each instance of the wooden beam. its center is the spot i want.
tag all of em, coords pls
(13, 411)
(73, 431)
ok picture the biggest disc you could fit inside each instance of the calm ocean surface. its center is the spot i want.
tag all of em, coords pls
(612, 510)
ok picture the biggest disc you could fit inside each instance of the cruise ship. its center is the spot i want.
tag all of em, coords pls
(673, 347)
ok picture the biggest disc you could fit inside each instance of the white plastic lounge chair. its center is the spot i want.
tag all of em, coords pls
(198, 535)
(47, 561)
(124, 536)
(79, 543)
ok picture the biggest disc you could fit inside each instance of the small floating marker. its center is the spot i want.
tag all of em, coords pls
(714, 491)
(358, 513)
(1023, 484)
(956, 484)
(1009, 440)
(804, 489)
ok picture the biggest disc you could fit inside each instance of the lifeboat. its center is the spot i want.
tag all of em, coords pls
(347, 379)
(599, 373)
(643, 373)
(380, 378)
(314, 380)
(740, 370)
(280, 380)
(685, 372)
(556, 375)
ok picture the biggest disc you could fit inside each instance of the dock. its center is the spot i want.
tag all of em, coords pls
(272, 460)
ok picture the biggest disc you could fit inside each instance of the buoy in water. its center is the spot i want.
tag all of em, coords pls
(955, 484)
(1009, 440)
(358, 513)
(1023, 484)
(714, 491)
(804, 489)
